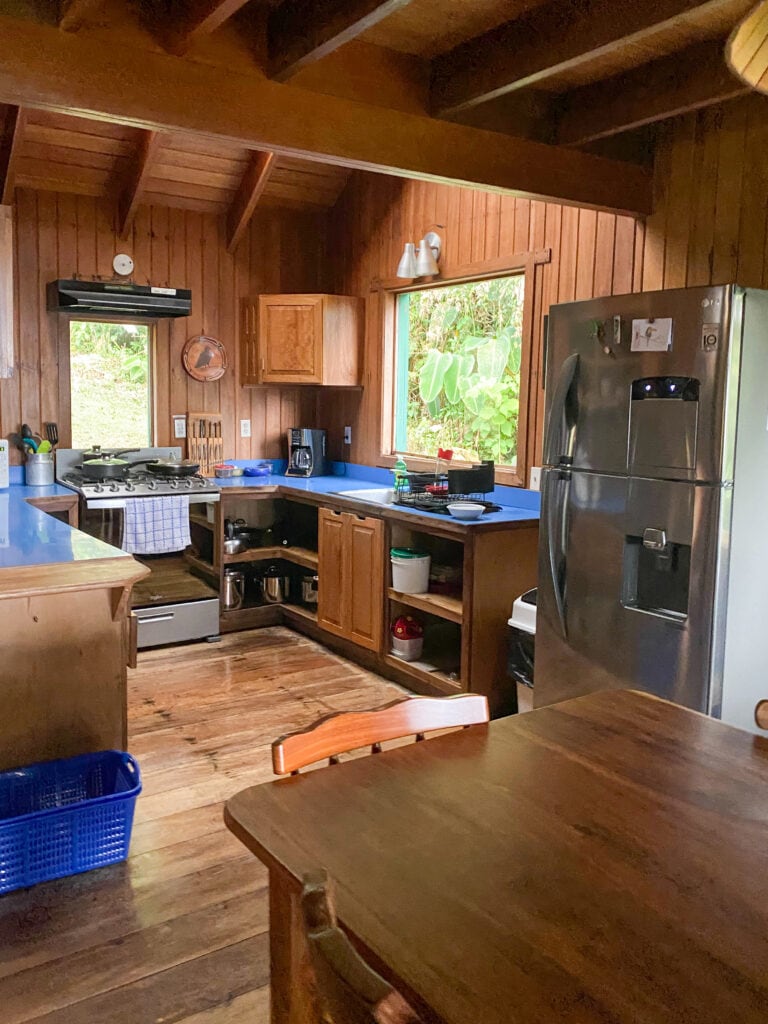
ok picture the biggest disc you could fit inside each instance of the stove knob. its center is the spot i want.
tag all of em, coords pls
(188, 483)
(129, 487)
(174, 484)
(152, 485)
(114, 487)
(98, 488)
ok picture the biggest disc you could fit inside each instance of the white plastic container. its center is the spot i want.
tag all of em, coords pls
(410, 571)
(408, 650)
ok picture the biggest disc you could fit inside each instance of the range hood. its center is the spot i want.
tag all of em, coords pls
(113, 298)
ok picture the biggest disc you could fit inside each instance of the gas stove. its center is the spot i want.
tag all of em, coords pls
(137, 482)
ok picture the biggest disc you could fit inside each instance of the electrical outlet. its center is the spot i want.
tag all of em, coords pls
(179, 426)
(245, 428)
(535, 479)
(347, 435)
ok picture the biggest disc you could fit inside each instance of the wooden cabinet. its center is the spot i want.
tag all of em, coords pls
(351, 571)
(302, 339)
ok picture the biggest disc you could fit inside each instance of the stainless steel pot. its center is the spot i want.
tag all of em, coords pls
(275, 586)
(233, 593)
(309, 589)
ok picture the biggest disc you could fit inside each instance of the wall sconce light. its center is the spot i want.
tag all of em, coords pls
(421, 261)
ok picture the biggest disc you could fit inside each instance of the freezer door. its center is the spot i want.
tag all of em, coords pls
(617, 404)
(627, 570)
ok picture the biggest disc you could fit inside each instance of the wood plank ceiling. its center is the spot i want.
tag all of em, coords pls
(561, 72)
(62, 153)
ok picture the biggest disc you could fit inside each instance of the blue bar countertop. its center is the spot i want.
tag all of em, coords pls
(31, 537)
(518, 505)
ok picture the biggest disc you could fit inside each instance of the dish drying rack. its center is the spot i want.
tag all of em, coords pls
(434, 492)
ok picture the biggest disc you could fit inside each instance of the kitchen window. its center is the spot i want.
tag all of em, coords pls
(110, 372)
(459, 358)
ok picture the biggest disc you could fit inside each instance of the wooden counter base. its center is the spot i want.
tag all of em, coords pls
(63, 674)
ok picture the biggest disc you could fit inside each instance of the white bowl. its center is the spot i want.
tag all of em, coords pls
(466, 509)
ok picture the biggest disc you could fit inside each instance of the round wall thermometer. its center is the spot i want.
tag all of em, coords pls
(204, 358)
(122, 264)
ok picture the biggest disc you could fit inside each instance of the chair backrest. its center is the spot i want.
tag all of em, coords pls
(347, 989)
(347, 730)
(761, 714)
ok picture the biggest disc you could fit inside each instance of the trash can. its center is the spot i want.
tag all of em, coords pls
(521, 648)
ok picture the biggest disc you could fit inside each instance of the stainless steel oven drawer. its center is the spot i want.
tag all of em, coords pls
(174, 623)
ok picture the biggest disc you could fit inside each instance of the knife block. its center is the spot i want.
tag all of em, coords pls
(204, 441)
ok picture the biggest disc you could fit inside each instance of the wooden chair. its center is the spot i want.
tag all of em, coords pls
(761, 714)
(348, 991)
(347, 730)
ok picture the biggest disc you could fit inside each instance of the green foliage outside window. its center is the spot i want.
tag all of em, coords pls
(109, 366)
(464, 348)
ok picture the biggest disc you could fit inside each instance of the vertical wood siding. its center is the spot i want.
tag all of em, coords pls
(60, 235)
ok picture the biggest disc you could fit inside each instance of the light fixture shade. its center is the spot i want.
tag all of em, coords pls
(407, 265)
(745, 49)
(426, 264)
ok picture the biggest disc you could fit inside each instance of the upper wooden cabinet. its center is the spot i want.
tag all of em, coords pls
(303, 339)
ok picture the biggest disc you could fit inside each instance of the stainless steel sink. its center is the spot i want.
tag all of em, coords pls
(372, 495)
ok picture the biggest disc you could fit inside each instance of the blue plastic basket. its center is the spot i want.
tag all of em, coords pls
(63, 817)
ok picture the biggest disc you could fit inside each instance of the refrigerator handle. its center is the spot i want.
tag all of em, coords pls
(556, 499)
(558, 448)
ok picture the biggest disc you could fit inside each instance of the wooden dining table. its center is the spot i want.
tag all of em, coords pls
(600, 860)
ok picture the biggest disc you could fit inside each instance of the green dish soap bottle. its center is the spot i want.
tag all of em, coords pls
(401, 476)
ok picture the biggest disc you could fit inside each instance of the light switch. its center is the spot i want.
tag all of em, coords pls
(535, 480)
(347, 435)
(245, 428)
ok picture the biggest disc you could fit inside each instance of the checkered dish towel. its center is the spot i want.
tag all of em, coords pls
(156, 526)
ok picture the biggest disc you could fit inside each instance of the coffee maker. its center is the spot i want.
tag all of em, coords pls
(306, 452)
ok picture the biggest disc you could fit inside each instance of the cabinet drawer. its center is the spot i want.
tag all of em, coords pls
(174, 623)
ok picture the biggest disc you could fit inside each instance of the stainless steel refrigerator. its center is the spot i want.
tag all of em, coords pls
(653, 557)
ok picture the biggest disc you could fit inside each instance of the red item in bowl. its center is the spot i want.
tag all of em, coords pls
(405, 627)
(445, 453)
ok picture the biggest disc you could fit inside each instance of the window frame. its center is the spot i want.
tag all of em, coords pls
(65, 360)
(525, 264)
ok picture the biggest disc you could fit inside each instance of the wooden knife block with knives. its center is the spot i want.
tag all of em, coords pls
(204, 441)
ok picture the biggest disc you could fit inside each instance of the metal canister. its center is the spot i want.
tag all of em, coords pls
(309, 589)
(234, 589)
(38, 470)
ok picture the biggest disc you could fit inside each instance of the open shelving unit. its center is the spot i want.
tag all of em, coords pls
(293, 553)
(442, 605)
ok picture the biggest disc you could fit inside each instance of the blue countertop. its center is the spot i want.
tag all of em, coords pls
(29, 536)
(518, 505)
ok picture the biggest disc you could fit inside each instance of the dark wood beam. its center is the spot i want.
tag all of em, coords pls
(558, 38)
(255, 178)
(304, 31)
(73, 14)
(96, 77)
(10, 148)
(693, 78)
(134, 189)
(179, 25)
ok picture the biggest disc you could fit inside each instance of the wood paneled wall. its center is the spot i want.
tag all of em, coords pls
(61, 235)
(592, 254)
(709, 226)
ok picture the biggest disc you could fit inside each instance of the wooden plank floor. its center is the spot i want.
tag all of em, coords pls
(178, 933)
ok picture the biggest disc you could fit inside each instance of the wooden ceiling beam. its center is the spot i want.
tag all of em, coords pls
(178, 26)
(689, 80)
(254, 181)
(301, 33)
(10, 148)
(553, 39)
(141, 169)
(96, 77)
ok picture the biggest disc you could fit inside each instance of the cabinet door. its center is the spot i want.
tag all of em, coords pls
(365, 584)
(331, 571)
(249, 353)
(291, 339)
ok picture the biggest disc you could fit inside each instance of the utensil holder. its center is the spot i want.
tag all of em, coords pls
(38, 470)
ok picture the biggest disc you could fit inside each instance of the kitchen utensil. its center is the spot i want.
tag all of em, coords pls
(28, 432)
(309, 586)
(173, 467)
(233, 591)
(235, 546)
(229, 529)
(52, 433)
(105, 467)
(44, 447)
(466, 510)
(275, 585)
